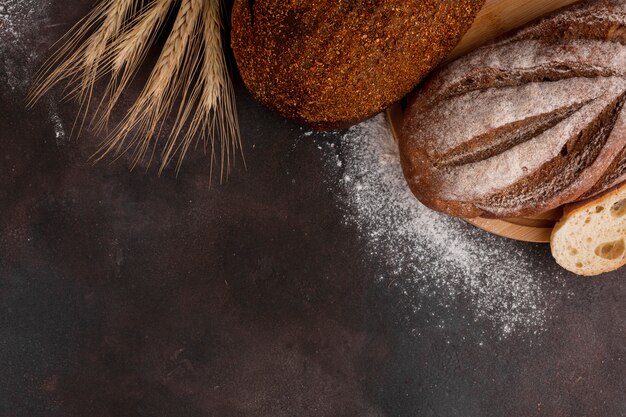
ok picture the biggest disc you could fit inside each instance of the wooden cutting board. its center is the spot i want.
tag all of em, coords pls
(496, 18)
(500, 16)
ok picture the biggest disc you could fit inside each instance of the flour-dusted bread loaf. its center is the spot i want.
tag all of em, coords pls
(590, 239)
(527, 123)
(332, 63)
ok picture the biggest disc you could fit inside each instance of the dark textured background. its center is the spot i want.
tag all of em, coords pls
(123, 294)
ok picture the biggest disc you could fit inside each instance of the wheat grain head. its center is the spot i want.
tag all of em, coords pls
(113, 40)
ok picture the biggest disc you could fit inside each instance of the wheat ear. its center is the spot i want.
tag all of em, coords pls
(81, 56)
(211, 110)
(114, 40)
(128, 52)
(139, 130)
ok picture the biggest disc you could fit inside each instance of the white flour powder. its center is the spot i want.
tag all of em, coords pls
(430, 255)
(22, 26)
(20, 20)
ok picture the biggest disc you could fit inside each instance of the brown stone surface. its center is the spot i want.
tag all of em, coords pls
(123, 294)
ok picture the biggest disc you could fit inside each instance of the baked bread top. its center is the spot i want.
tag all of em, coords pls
(527, 123)
(332, 63)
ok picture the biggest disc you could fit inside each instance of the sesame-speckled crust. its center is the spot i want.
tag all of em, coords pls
(333, 63)
(527, 123)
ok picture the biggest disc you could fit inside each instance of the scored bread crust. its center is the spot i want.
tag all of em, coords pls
(333, 63)
(588, 226)
(530, 122)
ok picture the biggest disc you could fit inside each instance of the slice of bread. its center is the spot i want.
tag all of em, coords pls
(590, 239)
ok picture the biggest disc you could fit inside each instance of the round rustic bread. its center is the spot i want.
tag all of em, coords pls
(332, 63)
(527, 123)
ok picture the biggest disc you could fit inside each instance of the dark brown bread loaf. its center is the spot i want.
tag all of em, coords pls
(525, 124)
(332, 63)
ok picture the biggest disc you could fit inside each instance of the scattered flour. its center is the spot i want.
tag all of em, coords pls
(19, 21)
(59, 131)
(22, 24)
(430, 255)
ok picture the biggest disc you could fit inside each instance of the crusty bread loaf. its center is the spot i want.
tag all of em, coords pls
(332, 63)
(527, 123)
(590, 239)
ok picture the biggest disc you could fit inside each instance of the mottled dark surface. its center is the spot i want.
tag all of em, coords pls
(123, 294)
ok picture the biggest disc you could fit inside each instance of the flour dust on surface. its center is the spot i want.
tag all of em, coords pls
(22, 22)
(23, 26)
(431, 257)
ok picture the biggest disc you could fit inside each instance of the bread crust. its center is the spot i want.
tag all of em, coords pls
(525, 124)
(333, 63)
(571, 209)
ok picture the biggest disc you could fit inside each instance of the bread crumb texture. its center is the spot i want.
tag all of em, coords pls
(591, 238)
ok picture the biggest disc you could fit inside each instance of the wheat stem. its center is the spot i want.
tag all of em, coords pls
(212, 112)
(129, 52)
(113, 40)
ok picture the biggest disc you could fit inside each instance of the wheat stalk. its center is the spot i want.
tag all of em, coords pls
(129, 52)
(113, 40)
(212, 99)
(80, 58)
(163, 86)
